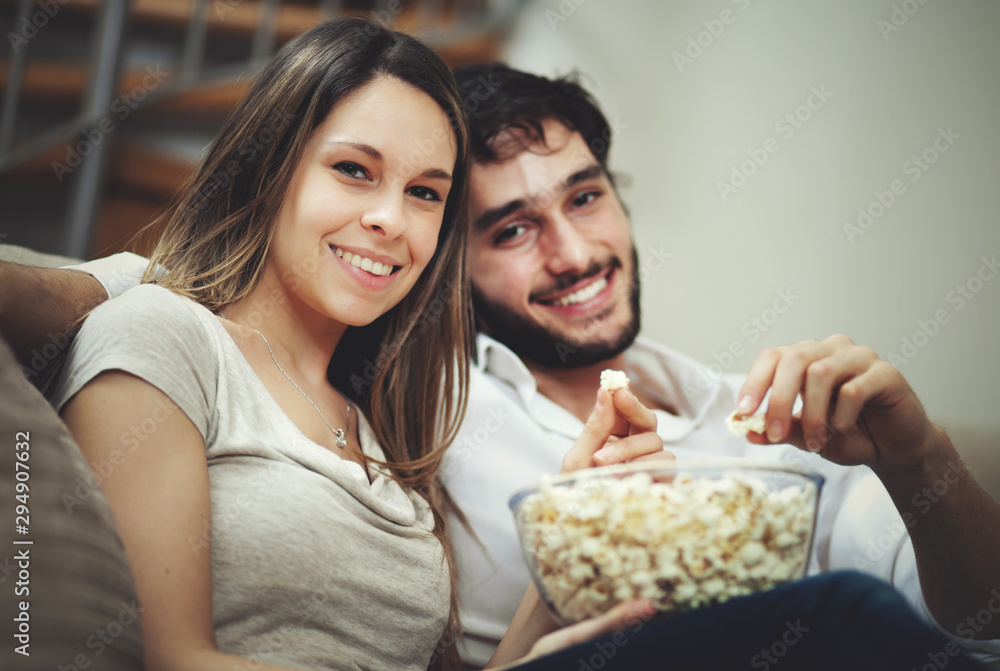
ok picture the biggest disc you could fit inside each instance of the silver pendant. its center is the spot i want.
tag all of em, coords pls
(341, 438)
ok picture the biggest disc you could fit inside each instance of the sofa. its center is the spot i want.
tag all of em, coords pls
(67, 599)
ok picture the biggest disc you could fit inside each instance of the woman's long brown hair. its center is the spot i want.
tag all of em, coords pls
(408, 370)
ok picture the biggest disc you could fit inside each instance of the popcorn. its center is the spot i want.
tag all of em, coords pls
(741, 426)
(613, 380)
(689, 542)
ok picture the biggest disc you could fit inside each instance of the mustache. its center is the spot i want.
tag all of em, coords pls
(567, 280)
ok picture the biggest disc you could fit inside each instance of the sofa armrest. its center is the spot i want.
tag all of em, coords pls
(29, 257)
(69, 596)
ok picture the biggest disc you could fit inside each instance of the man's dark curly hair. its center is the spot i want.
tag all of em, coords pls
(499, 99)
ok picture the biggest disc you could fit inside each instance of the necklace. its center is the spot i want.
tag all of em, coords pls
(339, 434)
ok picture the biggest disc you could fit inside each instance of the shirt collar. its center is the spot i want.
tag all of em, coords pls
(498, 360)
(671, 377)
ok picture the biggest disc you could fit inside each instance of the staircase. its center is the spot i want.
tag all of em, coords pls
(109, 104)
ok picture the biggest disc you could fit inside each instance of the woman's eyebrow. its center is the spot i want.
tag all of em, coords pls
(360, 146)
(435, 173)
(431, 173)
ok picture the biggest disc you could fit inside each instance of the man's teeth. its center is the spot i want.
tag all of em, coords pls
(584, 294)
(366, 264)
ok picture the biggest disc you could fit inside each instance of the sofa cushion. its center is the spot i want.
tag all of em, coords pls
(75, 583)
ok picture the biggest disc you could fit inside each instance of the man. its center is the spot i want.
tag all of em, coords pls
(555, 283)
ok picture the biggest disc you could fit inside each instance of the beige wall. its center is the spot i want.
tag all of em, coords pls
(889, 94)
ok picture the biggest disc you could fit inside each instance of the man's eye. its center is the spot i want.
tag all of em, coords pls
(351, 170)
(586, 198)
(510, 233)
(423, 193)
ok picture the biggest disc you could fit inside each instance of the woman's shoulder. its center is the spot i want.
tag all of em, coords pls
(154, 334)
(149, 314)
(150, 302)
(150, 320)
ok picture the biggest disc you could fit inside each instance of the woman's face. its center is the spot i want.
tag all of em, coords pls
(364, 207)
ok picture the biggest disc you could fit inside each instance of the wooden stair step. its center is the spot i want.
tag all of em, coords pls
(120, 218)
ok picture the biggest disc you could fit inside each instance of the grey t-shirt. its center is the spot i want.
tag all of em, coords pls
(313, 567)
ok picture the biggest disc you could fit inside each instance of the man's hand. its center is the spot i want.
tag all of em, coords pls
(856, 408)
(619, 429)
(40, 308)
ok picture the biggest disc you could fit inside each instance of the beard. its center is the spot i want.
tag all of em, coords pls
(583, 345)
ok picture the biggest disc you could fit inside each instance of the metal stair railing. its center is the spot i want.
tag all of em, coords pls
(107, 49)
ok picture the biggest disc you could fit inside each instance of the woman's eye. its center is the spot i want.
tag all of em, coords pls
(586, 198)
(510, 233)
(423, 193)
(351, 170)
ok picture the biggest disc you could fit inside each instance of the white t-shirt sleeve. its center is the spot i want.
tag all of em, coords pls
(155, 335)
(116, 273)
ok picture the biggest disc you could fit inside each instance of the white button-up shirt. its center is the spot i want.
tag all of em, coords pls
(513, 435)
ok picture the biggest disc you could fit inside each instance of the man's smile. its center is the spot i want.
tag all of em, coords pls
(579, 294)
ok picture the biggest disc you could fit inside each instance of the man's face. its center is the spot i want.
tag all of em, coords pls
(551, 256)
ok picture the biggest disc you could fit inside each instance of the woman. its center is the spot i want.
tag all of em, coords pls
(277, 404)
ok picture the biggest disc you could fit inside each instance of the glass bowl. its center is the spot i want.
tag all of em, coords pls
(686, 535)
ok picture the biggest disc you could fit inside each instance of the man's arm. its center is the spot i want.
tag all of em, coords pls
(857, 409)
(40, 307)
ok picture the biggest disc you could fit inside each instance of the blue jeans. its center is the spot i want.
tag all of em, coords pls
(838, 621)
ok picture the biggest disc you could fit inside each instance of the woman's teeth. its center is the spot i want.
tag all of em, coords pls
(366, 264)
(584, 294)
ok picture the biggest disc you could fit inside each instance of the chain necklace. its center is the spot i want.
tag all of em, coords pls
(339, 434)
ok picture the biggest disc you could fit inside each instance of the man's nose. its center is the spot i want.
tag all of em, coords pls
(566, 248)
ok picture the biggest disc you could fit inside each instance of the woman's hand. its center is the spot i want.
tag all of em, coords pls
(625, 614)
(620, 429)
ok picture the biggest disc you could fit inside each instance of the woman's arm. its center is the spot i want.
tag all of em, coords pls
(158, 491)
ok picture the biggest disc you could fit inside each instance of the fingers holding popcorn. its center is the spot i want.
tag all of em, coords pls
(620, 428)
(596, 432)
(856, 408)
(632, 416)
